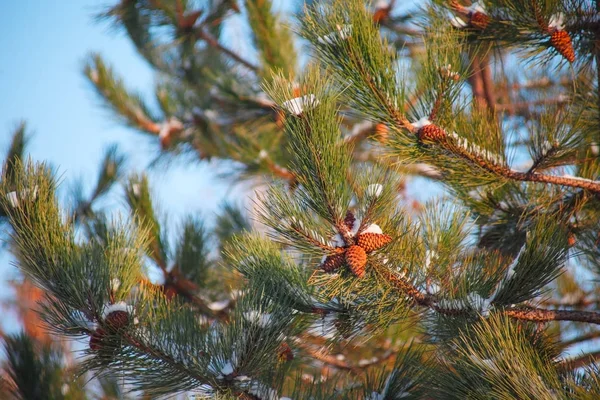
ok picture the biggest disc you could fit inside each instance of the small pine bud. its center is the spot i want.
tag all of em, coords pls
(432, 133)
(373, 241)
(382, 12)
(349, 220)
(97, 338)
(356, 259)
(284, 353)
(571, 240)
(381, 132)
(479, 20)
(117, 320)
(561, 41)
(332, 263)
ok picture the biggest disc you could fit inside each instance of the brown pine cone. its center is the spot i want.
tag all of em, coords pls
(356, 257)
(97, 338)
(373, 241)
(561, 41)
(349, 220)
(333, 262)
(479, 20)
(432, 133)
(117, 320)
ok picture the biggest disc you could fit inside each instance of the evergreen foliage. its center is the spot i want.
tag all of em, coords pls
(338, 289)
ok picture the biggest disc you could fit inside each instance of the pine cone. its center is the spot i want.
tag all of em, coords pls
(431, 132)
(117, 320)
(561, 41)
(284, 353)
(97, 338)
(373, 241)
(479, 20)
(356, 259)
(332, 263)
(349, 220)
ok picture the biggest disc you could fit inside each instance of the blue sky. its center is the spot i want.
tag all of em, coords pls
(43, 45)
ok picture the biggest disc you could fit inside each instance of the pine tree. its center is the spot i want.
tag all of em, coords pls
(345, 287)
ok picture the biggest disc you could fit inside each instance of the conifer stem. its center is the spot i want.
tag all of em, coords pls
(525, 314)
(213, 42)
(542, 315)
(576, 182)
(581, 361)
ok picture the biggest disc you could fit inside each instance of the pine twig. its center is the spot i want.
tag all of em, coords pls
(505, 172)
(581, 338)
(581, 361)
(525, 314)
(213, 42)
(321, 354)
(488, 83)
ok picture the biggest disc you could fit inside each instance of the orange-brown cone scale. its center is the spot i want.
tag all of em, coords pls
(356, 258)
(349, 220)
(117, 320)
(97, 338)
(373, 241)
(333, 263)
(561, 41)
(432, 133)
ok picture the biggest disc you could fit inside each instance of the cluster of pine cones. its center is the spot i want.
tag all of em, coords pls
(354, 254)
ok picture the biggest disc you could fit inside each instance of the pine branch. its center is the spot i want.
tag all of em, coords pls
(581, 338)
(452, 145)
(323, 355)
(128, 105)
(203, 34)
(432, 302)
(582, 361)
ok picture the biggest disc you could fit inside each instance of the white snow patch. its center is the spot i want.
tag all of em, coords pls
(374, 190)
(557, 21)
(477, 7)
(421, 123)
(343, 32)
(219, 305)
(298, 105)
(373, 228)
(430, 255)
(433, 288)
(120, 306)
(115, 283)
(457, 22)
(136, 189)
(382, 4)
(261, 319)
(263, 154)
(169, 126)
(13, 198)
